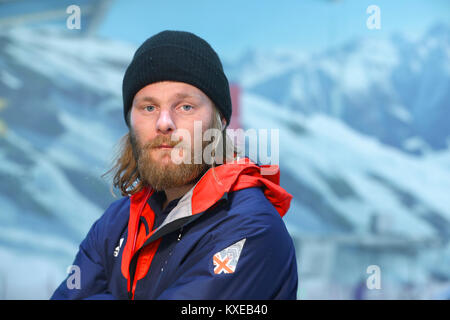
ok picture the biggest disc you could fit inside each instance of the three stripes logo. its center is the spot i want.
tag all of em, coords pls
(117, 249)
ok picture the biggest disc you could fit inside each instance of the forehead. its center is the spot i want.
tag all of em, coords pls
(168, 90)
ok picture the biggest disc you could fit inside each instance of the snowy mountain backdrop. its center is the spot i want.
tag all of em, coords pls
(364, 149)
(393, 89)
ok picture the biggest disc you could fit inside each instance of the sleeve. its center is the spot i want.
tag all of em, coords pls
(266, 268)
(86, 277)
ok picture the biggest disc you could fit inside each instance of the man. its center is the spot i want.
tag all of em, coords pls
(200, 228)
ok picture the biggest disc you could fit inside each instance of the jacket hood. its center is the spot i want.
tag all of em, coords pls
(242, 174)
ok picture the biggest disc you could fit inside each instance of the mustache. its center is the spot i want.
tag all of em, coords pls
(161, 140)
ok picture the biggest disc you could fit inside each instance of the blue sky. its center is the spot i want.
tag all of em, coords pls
(232, 26)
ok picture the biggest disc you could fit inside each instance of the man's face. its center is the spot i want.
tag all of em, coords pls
(158, 111)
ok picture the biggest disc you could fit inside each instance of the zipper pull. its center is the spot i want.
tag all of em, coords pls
(179, 235)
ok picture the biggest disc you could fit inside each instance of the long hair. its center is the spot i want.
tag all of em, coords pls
(125, 173)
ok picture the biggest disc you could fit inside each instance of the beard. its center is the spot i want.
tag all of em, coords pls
(156, 168)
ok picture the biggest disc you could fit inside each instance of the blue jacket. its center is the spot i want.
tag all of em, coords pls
(221, 240)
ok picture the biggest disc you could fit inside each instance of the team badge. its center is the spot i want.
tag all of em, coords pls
(225, 261)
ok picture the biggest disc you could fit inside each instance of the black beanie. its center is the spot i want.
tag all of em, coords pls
(177, 56)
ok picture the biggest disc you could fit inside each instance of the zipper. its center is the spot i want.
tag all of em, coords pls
(167, 260)
(132, 268)
(179, 235)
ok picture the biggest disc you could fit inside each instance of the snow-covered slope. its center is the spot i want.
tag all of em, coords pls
(60, 116)
(354, 176)
(351, 191)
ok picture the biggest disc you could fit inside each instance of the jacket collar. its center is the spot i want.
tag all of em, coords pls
(214, 185)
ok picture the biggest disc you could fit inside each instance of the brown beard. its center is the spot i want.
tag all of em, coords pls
(161, 176)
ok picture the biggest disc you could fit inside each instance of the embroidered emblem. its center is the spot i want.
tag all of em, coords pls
(225, 261)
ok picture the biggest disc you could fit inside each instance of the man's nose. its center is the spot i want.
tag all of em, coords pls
(165, 122)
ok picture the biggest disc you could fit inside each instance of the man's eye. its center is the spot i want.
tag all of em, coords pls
(149, 108)
(187, 107)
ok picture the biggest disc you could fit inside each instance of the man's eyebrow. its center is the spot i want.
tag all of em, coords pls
(179, 95)
(148, 99)
(182, 95)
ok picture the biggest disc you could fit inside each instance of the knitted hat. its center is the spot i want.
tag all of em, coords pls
(177, 56)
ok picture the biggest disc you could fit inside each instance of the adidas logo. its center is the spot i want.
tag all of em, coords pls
(116, 251)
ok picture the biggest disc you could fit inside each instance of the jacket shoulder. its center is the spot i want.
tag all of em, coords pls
(119, 209)
(112, 222)
(250, 212)
(251, 203)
